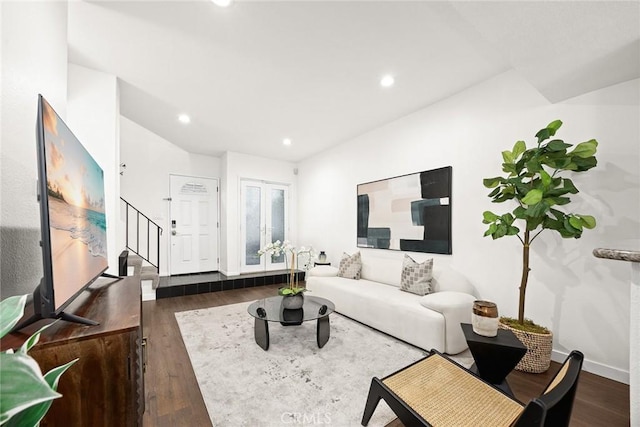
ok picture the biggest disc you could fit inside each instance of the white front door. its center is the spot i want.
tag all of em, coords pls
(264, 216)
(193, 224)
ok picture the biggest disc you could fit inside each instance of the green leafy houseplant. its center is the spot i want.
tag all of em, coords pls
(25, 394)
(533, 181)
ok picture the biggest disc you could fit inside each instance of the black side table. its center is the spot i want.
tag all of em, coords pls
(495, 356)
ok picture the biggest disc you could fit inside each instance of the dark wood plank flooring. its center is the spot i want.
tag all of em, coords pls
(173, 397)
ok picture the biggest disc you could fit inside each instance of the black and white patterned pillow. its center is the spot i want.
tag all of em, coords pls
(350, 266)
(416, 278)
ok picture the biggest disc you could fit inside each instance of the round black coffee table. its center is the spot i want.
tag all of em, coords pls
(270, 310)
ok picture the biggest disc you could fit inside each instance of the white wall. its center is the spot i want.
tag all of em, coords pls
(236, 167)
(93, 112)
(584, 301)
(145, 181)
(34, 60)
(224, 208)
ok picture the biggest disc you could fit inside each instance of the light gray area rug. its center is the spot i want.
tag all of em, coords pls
(294, 382)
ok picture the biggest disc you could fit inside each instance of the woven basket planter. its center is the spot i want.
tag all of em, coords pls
(538, 356)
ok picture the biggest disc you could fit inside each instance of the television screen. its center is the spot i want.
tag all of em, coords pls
(73, 223)
(75, 207)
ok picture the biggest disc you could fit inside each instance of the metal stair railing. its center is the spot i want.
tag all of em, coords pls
(142, 220)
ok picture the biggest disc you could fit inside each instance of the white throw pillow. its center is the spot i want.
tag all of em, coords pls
(416, 278)
(350, 266)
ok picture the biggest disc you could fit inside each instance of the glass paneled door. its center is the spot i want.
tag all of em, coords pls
(264, 219)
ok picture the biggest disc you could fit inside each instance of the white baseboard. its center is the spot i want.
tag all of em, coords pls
(601, 369)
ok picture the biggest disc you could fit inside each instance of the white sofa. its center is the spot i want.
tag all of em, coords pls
(430, 321)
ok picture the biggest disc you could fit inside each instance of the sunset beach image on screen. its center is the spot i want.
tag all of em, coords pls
(77, 221)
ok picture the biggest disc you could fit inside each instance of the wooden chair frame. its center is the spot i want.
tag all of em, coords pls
(551, 409)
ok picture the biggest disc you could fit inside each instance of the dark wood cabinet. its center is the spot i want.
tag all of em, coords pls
(106, 386)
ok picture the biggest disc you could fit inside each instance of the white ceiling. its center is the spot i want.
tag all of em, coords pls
(257, 72)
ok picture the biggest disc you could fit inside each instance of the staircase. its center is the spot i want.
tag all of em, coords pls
(149, 277)
(141, 232)
(142, 240)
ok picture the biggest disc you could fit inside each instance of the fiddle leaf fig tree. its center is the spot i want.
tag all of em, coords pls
(533, 181)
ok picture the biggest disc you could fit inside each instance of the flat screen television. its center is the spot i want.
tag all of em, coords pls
(72, 218)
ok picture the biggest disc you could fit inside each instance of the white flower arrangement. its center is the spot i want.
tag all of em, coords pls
(300, 259)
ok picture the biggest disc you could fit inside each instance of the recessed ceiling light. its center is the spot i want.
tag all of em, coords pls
(222, 3)
(286, 142)
(183, 118)
(387, 81)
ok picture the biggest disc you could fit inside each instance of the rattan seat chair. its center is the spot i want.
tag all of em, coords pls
(436, 391)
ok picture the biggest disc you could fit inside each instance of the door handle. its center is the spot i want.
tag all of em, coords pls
(174, 232)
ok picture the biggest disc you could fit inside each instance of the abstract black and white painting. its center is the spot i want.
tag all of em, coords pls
(408, 213)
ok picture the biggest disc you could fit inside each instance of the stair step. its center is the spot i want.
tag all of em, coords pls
(134, 260)
(148, 269)
(150, 273)
(148, 293)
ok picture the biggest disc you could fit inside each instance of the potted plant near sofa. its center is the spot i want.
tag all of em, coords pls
(300, 259)
(540, 194)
